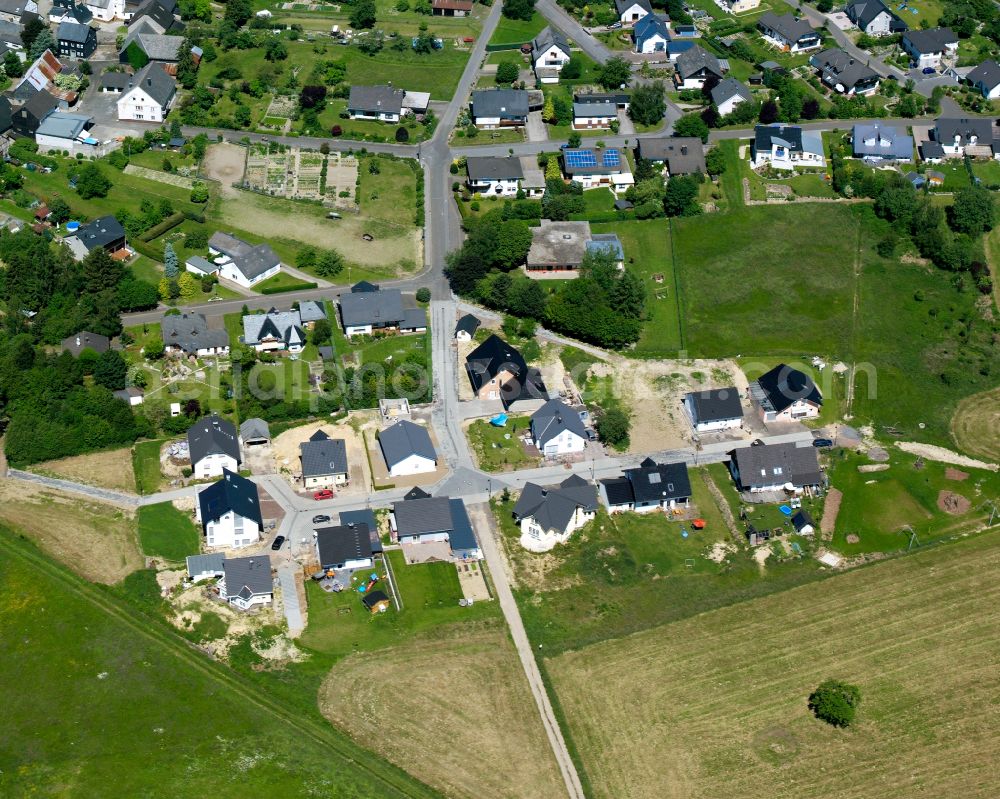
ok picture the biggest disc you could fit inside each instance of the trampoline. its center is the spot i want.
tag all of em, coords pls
(787, 511)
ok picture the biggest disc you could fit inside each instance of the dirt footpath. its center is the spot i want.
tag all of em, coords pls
(943, 455)
(830, 510)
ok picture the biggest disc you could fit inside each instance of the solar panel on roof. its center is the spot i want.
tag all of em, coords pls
(611, 158)
(580, 158)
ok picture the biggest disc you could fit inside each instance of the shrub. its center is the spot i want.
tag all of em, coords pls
(402, 135)
(336, 130)
(423, 294)
(835, 702)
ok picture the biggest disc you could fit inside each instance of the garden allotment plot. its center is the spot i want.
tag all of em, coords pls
(298, 174)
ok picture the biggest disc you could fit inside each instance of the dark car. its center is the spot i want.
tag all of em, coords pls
(822, 442)
(320, 519)
(929, 70)
(278, 542)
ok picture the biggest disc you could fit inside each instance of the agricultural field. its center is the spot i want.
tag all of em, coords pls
(298, 174)
(722, 697)
(482, 710)
(975, 427)
(78, 652)
(108, 469)
(95, 540)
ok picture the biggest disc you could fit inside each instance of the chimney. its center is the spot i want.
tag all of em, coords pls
(684, 149)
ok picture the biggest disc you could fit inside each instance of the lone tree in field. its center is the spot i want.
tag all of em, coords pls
(170, 266)
(835, 702)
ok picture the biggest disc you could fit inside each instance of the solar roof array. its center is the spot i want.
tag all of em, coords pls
(583, 159)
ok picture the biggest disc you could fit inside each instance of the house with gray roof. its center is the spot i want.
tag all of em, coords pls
(985, 79)
(213, 447)
(729, 93)
(204, 567)
(362, 312)
(188, 334)
(254, 433)
(247, 582)
(843, 73)
(594, 116)
(414, 321)
(492, 176)
(549, 515)
(243, 263)
(787, 147)
(786, 394)
(680, 155)
(421, 519)
(466, 327)
(976, 137)
(311, 311)
(70, 132)
(715, 409)
(229, 512)
(343, 547)
(85, 340)
(274, 331)
(549, 54)
(380, 103)
(499, 108)
(557, 429)
(928, 48)
(788, 32)
(649, 487)
(878, 142)
(776, 467)
(695, 66)
(366, 517)
(407, 449)
(149, 96)
(74, 40)
(874, 18)
(631, 11)
(114, 82)
(155, 44)
(324, 461)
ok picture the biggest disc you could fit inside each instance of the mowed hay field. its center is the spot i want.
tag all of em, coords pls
(452, 708)
(109, 469)
(715, 705)
(95, 540)
(976, 425)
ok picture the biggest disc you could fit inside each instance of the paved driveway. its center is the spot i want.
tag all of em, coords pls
(536, 128)
(626, 126)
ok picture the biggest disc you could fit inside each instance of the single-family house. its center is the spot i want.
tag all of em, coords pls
(74, 40)
(324, 461)
(843, 73)
(85, 340)
(631, 11)
(365, 517)
(679, 155)
(105, 232)
(66, 132)
(803, 522)
(985, 79)
(229, 512)
(493, 176)
(381, 103)
(407, 449)
(787, 147)
(59, 10)
(729, 93)
(928, 48)
(594, 116)
(497, 371)
(737, 6)
(620, 100)
(557, 429)
(132, 395)
(149, 96)
(975, 137)
(362, 312)
(466, 327)
(243, 263)
(311, 311)
(788, 32)
(106, 10)
(775, 467)
(343, 547)
(649, 487)
(274, 331)
(878, 142)
(549, 515)
(784, 394)
(188, 334)
(695, 66)
(874, 18)
(145, 41)
(162, 13)
(499, 108)
(421, 519)
(114, 82)
(213, 447)
(204, 567)
(651, 34)
(592, 168)
(254, 432)
(549, 54)
(15, 10)
(714, 409)
(451, 8)
(247, 582)
(557, 248)
(29, 115)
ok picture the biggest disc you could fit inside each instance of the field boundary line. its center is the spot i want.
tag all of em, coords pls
(185, 652)
(677, 283)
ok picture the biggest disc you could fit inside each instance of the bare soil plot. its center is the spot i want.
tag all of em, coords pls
(111, 469)
(953, 503)
(935, 453)
(830, 510)
(715, 705)
(452, 708)
(286, 453)
(96, 541)
(224, 162)
(975, 427)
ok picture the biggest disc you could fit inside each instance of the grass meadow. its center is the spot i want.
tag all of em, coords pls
(168, 533)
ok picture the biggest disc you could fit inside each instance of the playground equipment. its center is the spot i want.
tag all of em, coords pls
(698, 524)
(365, 587)
(500, 420)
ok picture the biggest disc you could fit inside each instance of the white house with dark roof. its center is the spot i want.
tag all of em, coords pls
(874, 18)
(843, 73)
(422, 519)
(106, 10)
(499, 108)
(274, 331)
(651, 34)
(149, 96)
(787, 147)
(557, 429)
(650, 487)
(776, 467)
(594, 116)
(365, 310)
(189, 334)
(407, 449)
(324, 461)
(784, 394)
(549, 54)
(466, 327)
(492, 176)
(247, 582)
(972, 136)
(985, 79)
(241, 262)
(343, 547)
(679, 155)
(714, 409)
(152, 42)
(928, 48)
(549, 515)
(695, 66)
(787, 32)
(213, 447)
(631, 11)
(728, 93)
(379, 103)
(229, 512)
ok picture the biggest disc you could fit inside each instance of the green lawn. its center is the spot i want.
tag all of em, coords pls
(987, 171)
(517, 31)
(146, 465)
(282, 280)
(340, 625)
(647, 252)
(367, 130)
(499, 449)
(165, 532)
(877, 506)
(79, 652)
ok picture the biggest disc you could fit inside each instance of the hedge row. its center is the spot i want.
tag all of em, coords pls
(169, 223)
(283, 289)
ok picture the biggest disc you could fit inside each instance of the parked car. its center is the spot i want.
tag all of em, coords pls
(324, 493)
(321, 519)
(278, 543)
(929, 70)
(822, 442)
